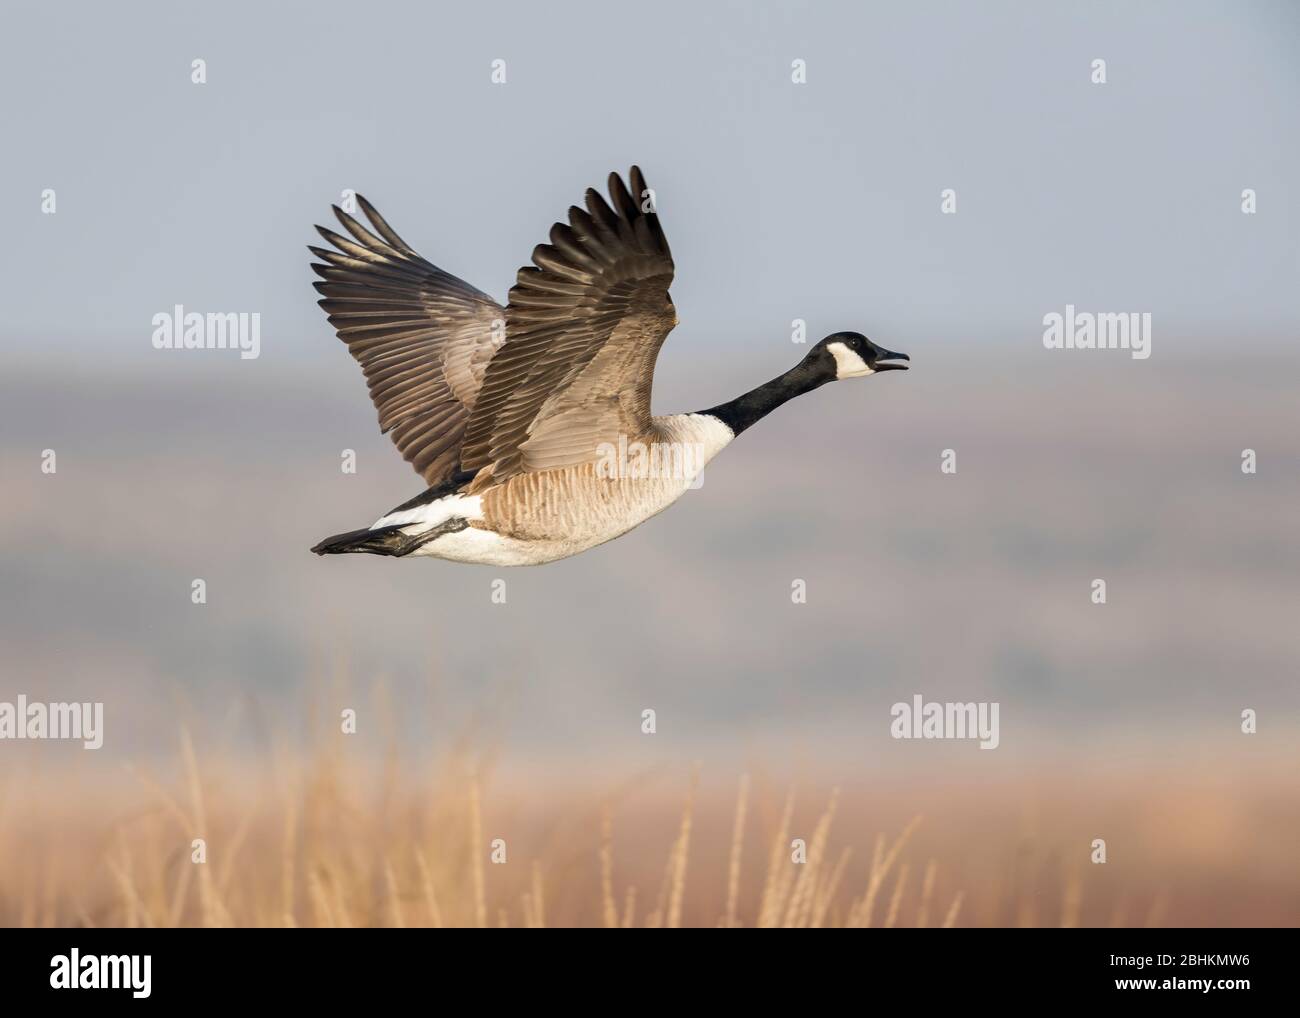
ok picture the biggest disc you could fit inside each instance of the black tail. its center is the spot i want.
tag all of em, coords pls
(385, 540)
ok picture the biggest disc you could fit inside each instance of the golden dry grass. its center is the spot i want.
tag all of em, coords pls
(324, 841)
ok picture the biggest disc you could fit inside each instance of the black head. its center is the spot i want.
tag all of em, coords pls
(852, 355)
(839, 355)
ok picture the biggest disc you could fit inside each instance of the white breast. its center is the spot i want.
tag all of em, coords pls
(707, 433)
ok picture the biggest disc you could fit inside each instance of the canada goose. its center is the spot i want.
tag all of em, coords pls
(531, 423)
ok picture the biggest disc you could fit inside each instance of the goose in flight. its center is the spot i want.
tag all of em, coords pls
(531, 423)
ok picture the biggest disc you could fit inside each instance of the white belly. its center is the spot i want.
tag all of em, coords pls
(484, 547)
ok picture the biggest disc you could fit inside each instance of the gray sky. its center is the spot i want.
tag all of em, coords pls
(818, 201)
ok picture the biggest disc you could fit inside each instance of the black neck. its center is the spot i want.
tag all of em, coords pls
(756, 404)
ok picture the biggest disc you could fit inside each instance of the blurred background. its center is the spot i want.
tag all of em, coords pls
(817, 201)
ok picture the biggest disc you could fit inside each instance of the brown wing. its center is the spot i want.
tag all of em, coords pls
(584, 325)
(423, 337)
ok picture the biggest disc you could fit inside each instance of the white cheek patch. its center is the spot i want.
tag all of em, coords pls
(847, 363)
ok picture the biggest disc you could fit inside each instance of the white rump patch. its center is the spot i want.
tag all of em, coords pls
(426, 517)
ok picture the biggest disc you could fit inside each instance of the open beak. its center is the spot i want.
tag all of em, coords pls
(888, 355)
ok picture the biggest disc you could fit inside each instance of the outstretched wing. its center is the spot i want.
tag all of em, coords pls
(584, 324)
(423, 337)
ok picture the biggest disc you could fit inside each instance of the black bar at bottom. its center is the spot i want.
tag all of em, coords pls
(90, 968)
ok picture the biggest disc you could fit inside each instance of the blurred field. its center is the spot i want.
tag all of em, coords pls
(333, 839)
(973, 586)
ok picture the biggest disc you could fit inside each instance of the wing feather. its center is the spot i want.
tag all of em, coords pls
(424, 339)
(585, 323)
